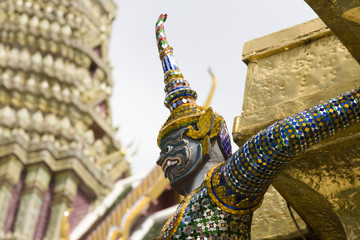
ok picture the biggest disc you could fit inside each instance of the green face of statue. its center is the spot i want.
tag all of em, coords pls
(179, 158)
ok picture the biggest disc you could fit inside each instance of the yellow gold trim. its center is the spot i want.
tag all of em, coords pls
(204, 125)
(183, 122)
(115, 234)
(170, 52)
(65, 225)
(170, 78)
(182, 116)
(205, 143)
(245, 203)
(164, 50)
(216, 127)
(173, 78)
(171, 71)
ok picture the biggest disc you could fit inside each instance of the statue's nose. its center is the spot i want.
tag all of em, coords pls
(159, 160)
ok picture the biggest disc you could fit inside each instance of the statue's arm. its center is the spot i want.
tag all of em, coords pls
(250, 170)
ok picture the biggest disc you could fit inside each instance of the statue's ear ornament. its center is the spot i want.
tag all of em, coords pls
(204, 125)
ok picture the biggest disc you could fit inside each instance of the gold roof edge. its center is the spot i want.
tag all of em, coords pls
(284, 39)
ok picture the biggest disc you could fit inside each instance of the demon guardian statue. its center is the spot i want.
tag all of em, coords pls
(221, 189)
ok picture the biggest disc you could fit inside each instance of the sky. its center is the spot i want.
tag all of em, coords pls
(203, 34)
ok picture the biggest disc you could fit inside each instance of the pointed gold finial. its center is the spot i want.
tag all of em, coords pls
(209, 98)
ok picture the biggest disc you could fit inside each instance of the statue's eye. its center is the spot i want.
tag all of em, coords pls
(168, 149)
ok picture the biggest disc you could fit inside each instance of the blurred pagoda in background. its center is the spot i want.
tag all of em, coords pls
(57, 146)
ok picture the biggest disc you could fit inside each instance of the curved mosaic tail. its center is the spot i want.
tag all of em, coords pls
(160, 33)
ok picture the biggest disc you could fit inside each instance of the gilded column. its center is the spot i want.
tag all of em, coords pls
(66, 184)
(36, 182)
(10, 170)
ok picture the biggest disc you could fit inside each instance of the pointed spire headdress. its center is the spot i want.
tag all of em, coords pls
(180, 99)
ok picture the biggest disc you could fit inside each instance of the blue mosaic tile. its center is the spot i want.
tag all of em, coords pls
(314, 128)
(326, 117)
(263, 156)
(354, 104)
(273, 141)
(255, 165)
(350, 114)
(241, 177)
(297, 131)
(320, 122)
(339, 111)
(225, 140)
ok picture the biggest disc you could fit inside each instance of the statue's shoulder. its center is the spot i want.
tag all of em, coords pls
(226, 196)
